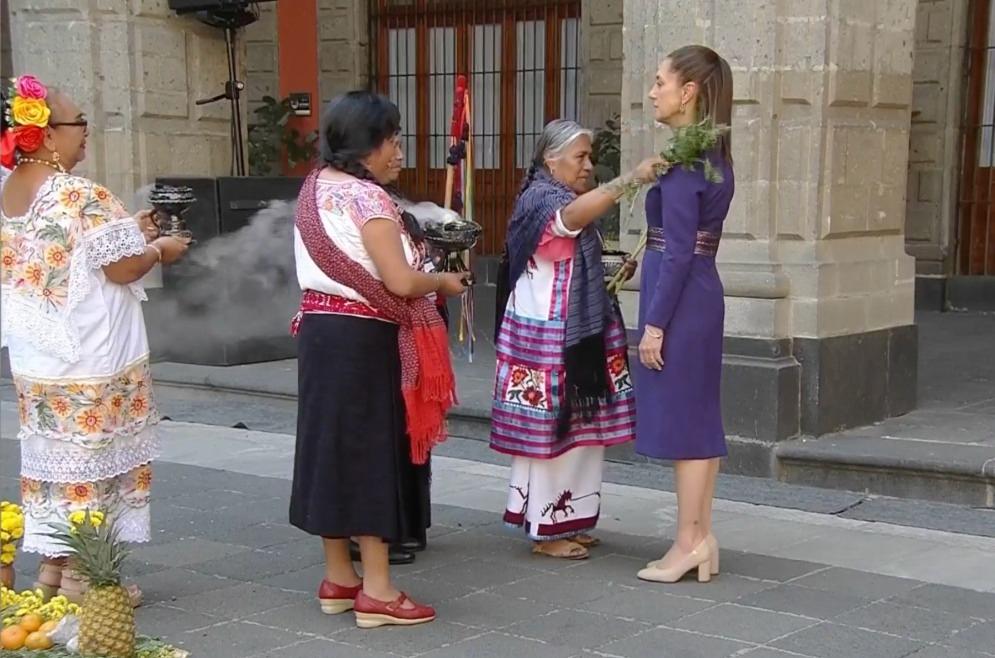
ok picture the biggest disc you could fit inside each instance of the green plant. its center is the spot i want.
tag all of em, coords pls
(607, 159)
(270, 135)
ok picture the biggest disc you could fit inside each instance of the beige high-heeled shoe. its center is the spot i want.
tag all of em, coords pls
(700, 558)
(713, 548)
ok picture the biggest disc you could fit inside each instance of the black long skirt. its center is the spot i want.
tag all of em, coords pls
(353, 474)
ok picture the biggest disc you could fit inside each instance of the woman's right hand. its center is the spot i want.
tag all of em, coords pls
(451, 283)
(172, 248)
(649, 169)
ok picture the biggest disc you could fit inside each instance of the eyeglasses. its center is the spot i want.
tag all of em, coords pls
(82, 123)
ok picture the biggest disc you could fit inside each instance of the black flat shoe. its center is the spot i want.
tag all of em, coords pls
(395, 554)
(413, 545)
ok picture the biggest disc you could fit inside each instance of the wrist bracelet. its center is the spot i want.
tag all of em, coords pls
(158, 252)
(653, 334)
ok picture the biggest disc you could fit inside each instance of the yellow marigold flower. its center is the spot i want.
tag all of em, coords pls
(30, 112)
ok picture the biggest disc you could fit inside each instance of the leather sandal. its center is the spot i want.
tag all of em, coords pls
(53, 572)
(74, 589)
(565, 549)
(371, 613)
(585, 540)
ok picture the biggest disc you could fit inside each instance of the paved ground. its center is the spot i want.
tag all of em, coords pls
(951, 433)
(227, 578)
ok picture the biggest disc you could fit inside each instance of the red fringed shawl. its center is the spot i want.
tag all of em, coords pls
(427, 380)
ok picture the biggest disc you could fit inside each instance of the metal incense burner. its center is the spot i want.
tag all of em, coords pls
(170, 203)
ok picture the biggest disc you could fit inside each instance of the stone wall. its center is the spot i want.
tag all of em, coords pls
(343, 47)
(135, 68)
(6, 62)
(601, 61)
(935, 154)
(343, 50)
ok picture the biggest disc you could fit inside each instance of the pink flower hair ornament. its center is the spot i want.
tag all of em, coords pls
(25, 117)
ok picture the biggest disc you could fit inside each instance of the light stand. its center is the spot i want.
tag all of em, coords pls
(230, 20)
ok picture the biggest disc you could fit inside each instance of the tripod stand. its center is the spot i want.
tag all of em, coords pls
(230, 22)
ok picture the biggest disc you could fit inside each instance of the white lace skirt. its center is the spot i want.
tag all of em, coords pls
(124, 498)
(86, 444)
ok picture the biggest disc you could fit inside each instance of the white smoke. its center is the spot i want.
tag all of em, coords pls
(240, 285)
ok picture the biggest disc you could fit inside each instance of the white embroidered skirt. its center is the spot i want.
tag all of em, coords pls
(556, 498)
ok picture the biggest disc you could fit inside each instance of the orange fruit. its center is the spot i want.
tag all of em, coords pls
(13, 637)
(38, 640)
(31, 623)
(48, 626)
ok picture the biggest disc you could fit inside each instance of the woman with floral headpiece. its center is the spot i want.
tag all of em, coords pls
(72, 264)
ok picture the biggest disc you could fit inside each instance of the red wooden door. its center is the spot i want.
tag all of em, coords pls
(522, 61)
(976, 229)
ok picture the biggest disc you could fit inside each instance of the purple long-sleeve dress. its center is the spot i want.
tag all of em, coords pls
(678, 413)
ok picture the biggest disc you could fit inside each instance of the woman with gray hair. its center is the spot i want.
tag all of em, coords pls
(562, 391)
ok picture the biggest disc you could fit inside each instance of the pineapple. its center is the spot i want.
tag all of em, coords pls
(107, 619)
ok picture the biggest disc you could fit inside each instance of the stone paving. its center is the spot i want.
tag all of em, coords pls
(226, 577)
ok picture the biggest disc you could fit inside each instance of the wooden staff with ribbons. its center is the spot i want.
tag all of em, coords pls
(459, 197)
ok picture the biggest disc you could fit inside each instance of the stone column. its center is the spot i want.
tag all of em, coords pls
(262, 76)
(343, 47)
(601, 61)
(819, 290)
(935, 154)
(135, 68)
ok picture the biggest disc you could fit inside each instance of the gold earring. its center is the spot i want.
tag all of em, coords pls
(57, 159)
(684, 107)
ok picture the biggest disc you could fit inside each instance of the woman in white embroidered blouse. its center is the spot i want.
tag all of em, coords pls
(72, 263)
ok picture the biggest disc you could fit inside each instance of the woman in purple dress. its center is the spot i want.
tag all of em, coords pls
(681, 312)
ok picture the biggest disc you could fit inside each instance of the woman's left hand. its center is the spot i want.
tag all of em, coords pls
(651, 348)
(629, 269)
(146, 222)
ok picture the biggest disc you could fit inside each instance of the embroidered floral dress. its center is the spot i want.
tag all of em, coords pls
(80, 361)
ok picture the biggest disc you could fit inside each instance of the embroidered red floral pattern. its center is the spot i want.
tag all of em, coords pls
(527, 387)
(620, 379)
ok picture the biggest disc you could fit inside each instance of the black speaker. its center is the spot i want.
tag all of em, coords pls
(214, 307)
(241, 197)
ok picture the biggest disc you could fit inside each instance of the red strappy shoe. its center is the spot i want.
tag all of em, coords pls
(336, 598)
(371, 613)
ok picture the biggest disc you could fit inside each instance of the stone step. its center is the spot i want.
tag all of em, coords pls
(958, 472)
(949, 473)
(906, 468)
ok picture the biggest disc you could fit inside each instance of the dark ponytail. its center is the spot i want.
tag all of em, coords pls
(713, 75)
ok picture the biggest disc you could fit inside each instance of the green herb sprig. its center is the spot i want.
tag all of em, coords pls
(686, 148)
